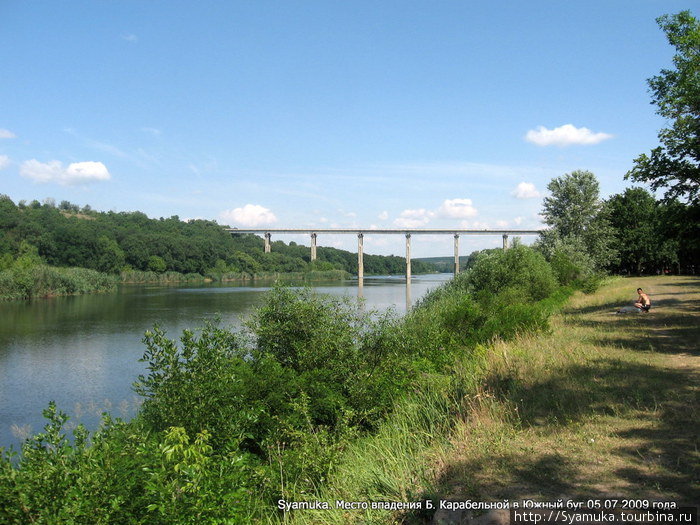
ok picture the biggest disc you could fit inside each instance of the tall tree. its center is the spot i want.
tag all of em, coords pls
(573, 213)
(642, 247)
(675, 165)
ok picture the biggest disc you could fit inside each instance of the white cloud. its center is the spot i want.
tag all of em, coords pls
(458, 209)
(130, 37)
(518, 221)
(525, 190)
(250, 215)
(383, 216)
(414, 218)
(75, 173)
(6, 134)
(565, 135)
(4, 161)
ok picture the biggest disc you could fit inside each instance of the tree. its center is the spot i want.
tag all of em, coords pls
(110, 257)
(573, 204)
(573, 213)
(156, 264)
(634, 216)
(675, 165)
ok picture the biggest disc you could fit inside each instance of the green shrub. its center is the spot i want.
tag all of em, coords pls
(518, 267)
(591, 282)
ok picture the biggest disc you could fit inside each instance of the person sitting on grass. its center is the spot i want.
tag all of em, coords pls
(643, 301)
(642, 304)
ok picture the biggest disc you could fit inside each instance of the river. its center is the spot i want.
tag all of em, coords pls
(83, 352)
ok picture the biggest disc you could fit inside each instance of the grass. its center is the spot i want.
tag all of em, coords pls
(605, 405)
(602, 405)
(46, 281)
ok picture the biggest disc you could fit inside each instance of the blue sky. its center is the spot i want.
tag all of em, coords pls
(326, 114)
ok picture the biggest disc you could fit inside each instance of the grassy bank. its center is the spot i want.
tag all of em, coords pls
(147, 277)
(46, 281)
(40, 280)
(604, 405)
(601, 406)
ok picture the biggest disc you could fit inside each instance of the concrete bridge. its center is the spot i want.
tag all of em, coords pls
(313, 232)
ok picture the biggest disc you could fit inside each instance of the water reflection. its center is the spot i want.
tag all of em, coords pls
(83, 352)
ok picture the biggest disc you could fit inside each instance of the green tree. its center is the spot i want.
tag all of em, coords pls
(573, 213)
(28, 256)
(675, 165)
(679, 227)
(156, 264)
(110, 257)
(633, 215)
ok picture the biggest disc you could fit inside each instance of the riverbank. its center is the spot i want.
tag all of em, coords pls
(141, 277)
(41, 281)
(235, 421)
(602, 406)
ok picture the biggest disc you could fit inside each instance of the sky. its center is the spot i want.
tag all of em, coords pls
(326, 114)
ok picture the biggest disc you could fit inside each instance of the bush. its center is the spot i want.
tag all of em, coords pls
(591, 283)
(570, 263)
(520, 268)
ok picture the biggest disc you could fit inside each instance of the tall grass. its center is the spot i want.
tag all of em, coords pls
(46, 281)
(142, 277)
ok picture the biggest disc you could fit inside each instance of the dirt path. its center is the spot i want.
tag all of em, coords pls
(604, 406)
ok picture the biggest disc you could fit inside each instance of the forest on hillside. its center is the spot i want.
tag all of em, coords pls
(67, 235)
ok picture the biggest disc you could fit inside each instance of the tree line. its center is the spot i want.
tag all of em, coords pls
(67, 235)
(633, 232)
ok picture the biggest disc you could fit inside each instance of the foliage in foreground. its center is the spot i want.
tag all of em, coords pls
(234, 421)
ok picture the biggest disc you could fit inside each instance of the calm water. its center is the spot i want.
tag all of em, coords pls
(83, 352)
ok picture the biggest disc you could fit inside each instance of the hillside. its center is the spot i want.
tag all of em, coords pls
(111, 242)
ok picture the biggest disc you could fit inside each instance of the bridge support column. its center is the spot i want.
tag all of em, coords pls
(408, 271)
(456, 254)
(505, 241)
(360, 265)
(267, 242)
(313, 247)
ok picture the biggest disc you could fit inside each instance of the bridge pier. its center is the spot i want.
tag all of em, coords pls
(360, 265)
(456, 254)
(408, 272)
